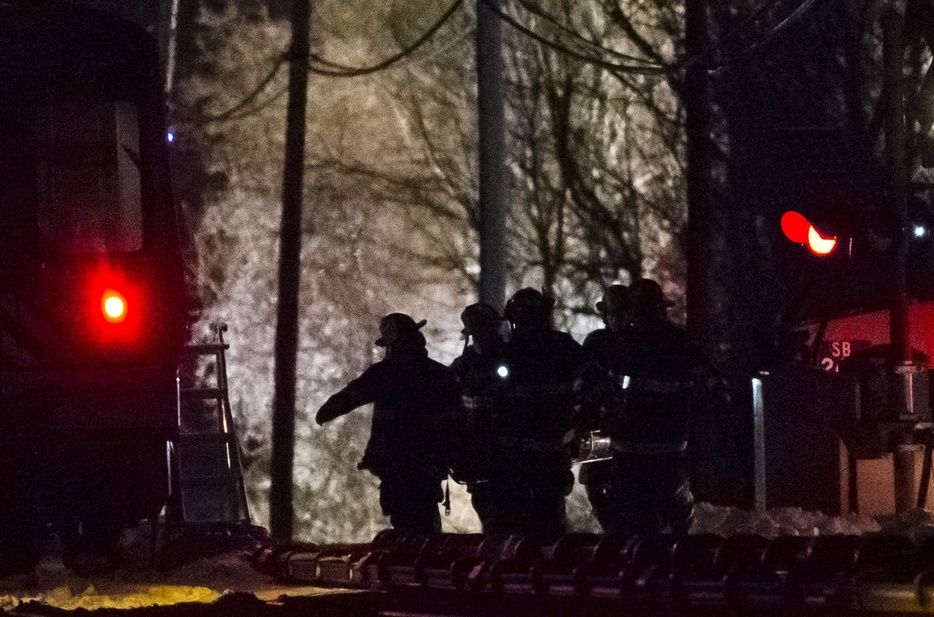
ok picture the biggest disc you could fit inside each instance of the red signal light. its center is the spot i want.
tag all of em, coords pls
(795, 227)
(820, 245)
(113, 306)
(798, 229)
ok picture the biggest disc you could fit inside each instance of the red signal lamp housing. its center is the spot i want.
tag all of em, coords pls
(799, 230)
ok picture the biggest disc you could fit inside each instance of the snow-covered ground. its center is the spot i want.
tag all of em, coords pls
(138, 584)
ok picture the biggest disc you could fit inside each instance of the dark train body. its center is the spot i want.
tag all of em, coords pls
(92, 310)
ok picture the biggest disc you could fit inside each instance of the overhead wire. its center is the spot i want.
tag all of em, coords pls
(259, 106)
(249, 98)
(754, 17)
(580, 38)
(785, 23)
(609, 66)
(795, 15)
(638, 66)
(239, 110)
(348, 71)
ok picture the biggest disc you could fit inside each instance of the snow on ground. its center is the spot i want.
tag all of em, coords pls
(778, 522)
(138, 584)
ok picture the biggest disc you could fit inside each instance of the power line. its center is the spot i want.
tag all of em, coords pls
(246, 100)
(580, 38)
(793, 17)
(782, 25)
(732, 34)
(259, 106)
(347, 71)
(609, 66)
(339, 70)
(648, 67)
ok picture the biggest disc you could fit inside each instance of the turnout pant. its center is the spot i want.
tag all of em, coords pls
(411, 502)
(527, 497)
(650, 493)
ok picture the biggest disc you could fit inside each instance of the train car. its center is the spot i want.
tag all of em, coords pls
(92, 300)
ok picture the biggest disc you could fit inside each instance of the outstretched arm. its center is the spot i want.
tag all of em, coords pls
(358, 392)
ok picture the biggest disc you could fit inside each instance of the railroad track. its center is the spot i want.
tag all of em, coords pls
(588, 574)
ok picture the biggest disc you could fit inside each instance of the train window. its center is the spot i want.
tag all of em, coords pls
(88, 176)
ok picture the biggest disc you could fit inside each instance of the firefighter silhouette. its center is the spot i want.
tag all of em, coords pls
(530, 473)
(413, 399)
(481, 377)
(594, 390)
(658, 378)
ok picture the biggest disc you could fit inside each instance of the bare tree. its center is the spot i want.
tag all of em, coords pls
(607, 148)
(596, 193)
(596, 149)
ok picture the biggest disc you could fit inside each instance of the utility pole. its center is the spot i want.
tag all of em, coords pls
(492, 164)
(707, 259)
(907, 377)
(290, 246)
(895, 143)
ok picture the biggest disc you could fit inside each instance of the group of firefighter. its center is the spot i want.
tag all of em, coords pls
(506, 418)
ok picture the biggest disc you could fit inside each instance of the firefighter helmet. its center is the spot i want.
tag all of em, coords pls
(647, 294)
(615, 299)
(528, 306)
(478, 316)
(394, 326)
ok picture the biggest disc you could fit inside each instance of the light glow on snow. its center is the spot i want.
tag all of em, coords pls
(207, 580)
